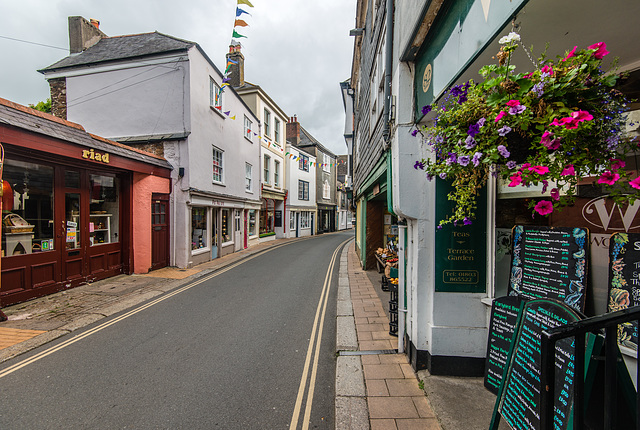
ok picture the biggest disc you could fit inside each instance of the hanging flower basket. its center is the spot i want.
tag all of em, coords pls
(552, 127)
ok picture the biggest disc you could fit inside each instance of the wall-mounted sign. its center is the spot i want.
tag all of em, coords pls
(90, 154)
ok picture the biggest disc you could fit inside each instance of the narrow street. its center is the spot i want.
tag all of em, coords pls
(229, 350)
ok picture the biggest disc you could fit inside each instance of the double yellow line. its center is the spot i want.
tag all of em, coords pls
(314, 344)
(126, 315)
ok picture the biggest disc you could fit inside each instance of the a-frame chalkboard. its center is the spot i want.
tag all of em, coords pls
(518, 399)
(550, 263)
(624, 282)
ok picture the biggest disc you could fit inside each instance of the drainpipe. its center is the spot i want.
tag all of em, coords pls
(402, 283)
(386, 113)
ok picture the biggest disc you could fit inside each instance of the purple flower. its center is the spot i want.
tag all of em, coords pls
(414, 132)
(514, 110)
(452, 159)
(481, 122)
(476, 158)
(463, 160)
(470, 142)
(502, 150)
(419, 165)
(612, 142)
(473, 130)
(504, 130)
(429, 177)
(538, 89)
(439, 227)
(426, 109)
(443, 175)
(467, 221)
(511, 165)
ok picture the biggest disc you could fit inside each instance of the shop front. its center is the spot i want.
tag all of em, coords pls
(68, 207)
(326, 218)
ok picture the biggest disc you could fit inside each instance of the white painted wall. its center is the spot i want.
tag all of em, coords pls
(294, 174)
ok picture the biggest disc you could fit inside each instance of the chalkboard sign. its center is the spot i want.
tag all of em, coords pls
(519, 402)
(550, 263)
(505, 313)
(624, 281)
(277, 221)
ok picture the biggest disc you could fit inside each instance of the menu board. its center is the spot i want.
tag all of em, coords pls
(505, 312)
(550, 263)
(520, 399)
(624, 282)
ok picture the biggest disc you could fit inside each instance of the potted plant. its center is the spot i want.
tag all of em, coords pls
(552, 127)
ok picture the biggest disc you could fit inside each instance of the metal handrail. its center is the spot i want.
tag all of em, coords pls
(579, 329)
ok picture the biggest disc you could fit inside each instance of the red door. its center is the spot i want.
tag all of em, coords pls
(246, 229)
(159, 231)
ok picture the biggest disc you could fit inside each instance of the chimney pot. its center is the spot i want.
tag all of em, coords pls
(95, 23)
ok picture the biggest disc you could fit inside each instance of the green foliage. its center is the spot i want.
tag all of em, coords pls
(44, 106)
(550, 127)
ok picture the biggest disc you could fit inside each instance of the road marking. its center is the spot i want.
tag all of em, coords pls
(320, 314)
(132, 312)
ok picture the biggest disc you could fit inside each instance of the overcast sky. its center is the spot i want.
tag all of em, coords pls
(298, 51)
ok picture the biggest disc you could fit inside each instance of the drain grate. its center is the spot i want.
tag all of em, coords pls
(376, 352)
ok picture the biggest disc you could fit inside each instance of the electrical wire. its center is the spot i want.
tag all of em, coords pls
(33, 43)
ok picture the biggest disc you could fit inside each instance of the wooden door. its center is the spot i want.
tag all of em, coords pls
(159, 231)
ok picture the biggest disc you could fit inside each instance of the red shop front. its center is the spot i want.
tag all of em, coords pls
(69, 203)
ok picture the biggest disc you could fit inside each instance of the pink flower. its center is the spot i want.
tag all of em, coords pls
(635, 183)
(581, 115)
(617, 164)
(555, 194)
(544, 207)
(528, 75)
(608, 178)
(513, 103)
(547, 69)
(568, 171)
(545, 185)
(548, 142)
(516, 179)
(601, 50)
(500, 115)
(571, 54)
(540, 170)
(568, 123)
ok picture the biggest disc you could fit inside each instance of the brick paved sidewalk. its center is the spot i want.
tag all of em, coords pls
(394, 398)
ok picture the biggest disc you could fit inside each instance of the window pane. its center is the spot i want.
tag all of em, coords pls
(217, 165)
(198, 228)
(226, 225)
(104, 209)
(71, 179)
(72, 211)
(27, 206)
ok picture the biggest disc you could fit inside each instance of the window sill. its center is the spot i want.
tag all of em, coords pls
(218, 111)
(200, 251)
(226, 244)
(248, 139)
(222, 184)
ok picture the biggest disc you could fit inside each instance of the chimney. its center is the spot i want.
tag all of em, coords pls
(83, 34)
(58, 88)
(236, 68)
(293, 131)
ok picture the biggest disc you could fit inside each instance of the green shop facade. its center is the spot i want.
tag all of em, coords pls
(450, 276)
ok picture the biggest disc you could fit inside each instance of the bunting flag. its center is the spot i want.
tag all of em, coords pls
(240, 23)
(245, 2)
(237, 35)
(227, 113)
(229, 60)
(233, 117)
(240, 12)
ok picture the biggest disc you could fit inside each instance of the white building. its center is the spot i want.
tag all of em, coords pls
(272, 137)
(162, 94)
(301, 212)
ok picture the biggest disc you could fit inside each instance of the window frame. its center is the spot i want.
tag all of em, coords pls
(214, 96)
(326, 163)
(303, 190)
(215, 150)
(267, 123)
(205, 235)
(326, 190)
(276, 130)
(248, 177)
(276, 173)
(303, 162)
(267, 169)
(248, 124)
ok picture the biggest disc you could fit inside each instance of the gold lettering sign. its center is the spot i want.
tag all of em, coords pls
(90, 154)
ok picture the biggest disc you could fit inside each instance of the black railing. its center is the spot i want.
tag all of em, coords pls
(579, 330)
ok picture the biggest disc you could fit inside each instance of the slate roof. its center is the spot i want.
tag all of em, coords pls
(121, 48)
(35, 121)
(306, 140)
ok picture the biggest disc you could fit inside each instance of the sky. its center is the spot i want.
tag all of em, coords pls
(298, 51)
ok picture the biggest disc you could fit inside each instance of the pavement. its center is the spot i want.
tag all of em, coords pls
(376, 387)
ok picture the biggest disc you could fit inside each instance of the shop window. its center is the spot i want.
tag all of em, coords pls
(226, 225)
(252, 223)
(304, 219)
(199, 228)
(267, 216)
(27, 208)
(292, 220)
(104, 210)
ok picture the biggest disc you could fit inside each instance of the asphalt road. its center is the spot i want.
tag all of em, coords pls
(228, 352)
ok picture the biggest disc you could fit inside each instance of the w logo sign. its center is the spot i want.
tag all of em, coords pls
(607, 215)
